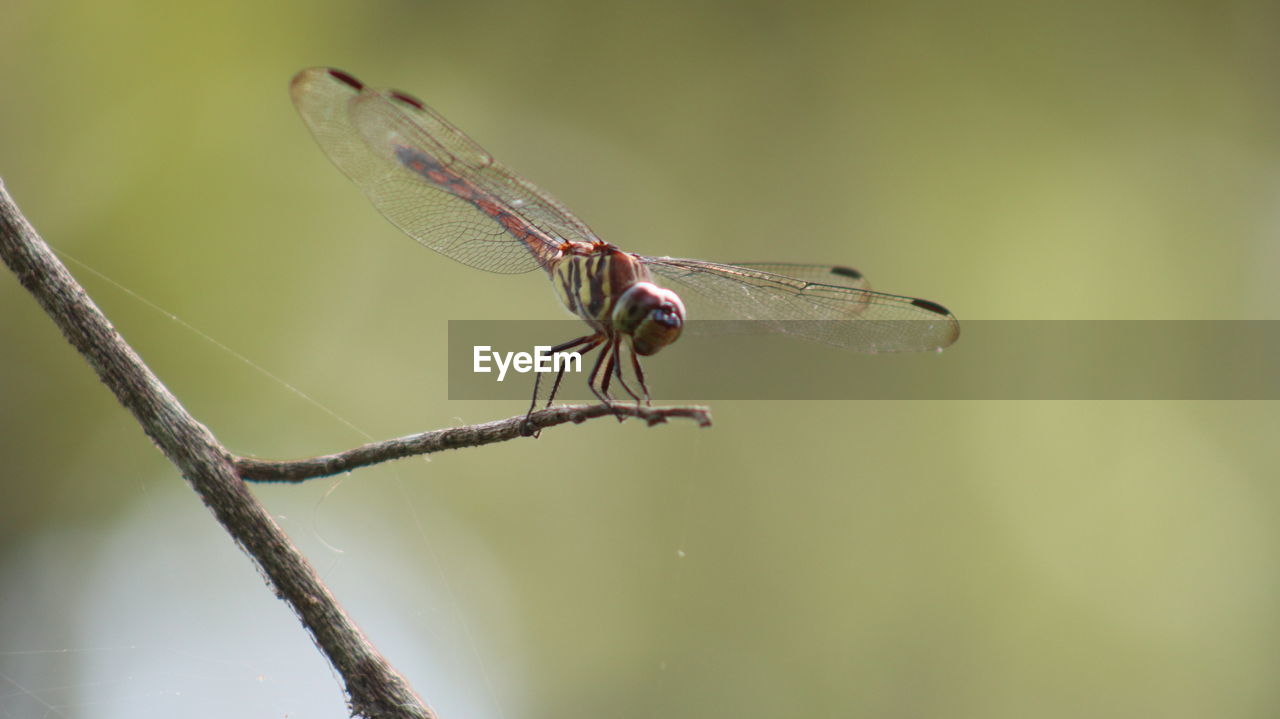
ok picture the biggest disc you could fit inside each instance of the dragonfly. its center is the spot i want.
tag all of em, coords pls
(442, 189)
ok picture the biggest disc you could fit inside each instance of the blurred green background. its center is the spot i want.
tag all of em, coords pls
(1090, 160)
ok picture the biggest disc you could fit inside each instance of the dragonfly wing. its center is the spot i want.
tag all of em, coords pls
(840, 315)
(820, 274)
(431, 180)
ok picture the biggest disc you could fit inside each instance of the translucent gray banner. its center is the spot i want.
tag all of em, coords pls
(1041, 359)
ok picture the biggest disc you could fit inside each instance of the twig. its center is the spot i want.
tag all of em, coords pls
(374, 688)
(261, 470)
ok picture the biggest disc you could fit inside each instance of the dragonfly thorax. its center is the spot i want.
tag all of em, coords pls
(652, 316)
(612, 291)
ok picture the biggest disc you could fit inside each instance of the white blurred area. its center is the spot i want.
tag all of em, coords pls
(160, 614)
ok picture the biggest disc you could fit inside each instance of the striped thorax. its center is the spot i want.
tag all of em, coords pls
(612, 291)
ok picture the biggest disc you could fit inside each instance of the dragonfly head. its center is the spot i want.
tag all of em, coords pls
(651, 315)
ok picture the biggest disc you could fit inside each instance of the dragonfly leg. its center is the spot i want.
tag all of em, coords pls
(609, 360)
(587, 343)
(617, 368)
(644, 388)
(600, 381)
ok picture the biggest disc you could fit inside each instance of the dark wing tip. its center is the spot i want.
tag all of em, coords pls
(932, 307)
(345, 78)
(407, 99)
(846, 272)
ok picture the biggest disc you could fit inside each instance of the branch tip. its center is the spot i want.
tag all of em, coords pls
(475, 435)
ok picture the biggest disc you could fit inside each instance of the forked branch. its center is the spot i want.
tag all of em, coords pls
(374, 688)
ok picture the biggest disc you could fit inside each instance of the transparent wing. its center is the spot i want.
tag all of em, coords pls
(820, 274)
(846, 315)
(431, 180)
